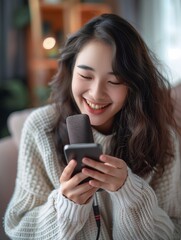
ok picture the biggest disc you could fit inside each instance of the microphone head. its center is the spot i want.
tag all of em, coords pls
(79, 129)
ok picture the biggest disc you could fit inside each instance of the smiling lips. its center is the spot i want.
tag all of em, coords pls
(95, 106)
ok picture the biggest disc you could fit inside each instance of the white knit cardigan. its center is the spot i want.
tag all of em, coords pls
(142, 209)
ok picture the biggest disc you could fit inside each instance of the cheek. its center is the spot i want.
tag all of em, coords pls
(120, 96)
(74, 87)
(77, 91)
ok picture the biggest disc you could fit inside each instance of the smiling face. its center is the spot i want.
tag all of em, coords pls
(96, 90)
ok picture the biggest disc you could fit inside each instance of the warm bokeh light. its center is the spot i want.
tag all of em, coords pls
(49, 43)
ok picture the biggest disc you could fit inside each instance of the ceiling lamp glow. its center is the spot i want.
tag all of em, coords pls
(49, 43)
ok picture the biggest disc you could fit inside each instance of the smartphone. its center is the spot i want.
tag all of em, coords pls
(80, 150)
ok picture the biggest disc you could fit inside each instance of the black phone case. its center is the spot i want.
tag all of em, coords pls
(79, 151)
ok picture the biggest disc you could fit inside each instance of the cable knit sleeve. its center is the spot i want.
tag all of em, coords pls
(32, 212)
(69, 211)
(139, 215)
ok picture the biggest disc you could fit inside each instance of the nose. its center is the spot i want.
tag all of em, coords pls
(98, 90)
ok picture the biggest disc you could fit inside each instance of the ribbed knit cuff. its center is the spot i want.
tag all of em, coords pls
(131, 192)
(72, 212)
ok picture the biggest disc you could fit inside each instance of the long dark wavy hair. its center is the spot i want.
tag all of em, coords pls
(142, 127)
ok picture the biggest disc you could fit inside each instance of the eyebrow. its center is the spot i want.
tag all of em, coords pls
(85, 67)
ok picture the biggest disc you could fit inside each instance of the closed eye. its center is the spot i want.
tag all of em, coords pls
(86, 77)
(115, 83)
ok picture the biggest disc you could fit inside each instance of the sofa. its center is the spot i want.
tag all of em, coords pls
(9, 152)
(8, 161)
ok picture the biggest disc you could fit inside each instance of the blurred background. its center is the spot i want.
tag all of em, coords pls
(32, 33)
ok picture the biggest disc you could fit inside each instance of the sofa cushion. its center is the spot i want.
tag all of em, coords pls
(15, 124)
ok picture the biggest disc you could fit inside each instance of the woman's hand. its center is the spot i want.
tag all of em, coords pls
(110, 174)
(71, 187)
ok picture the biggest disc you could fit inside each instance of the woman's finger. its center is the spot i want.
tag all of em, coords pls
(79, 193)
(82, 194)
(112, 161)
(68, 170)
(106, 177)
(105, 181)
(105, 167)
(109, 174)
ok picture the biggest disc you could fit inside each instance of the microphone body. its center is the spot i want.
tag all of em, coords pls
(79, 129)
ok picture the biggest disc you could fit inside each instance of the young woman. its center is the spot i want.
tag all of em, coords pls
(107, 72)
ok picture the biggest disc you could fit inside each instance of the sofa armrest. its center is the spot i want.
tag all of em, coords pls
(8, 169)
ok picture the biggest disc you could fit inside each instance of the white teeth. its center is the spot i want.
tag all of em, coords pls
(95, 106)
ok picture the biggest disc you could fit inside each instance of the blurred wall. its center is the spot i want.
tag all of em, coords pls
(12, 42)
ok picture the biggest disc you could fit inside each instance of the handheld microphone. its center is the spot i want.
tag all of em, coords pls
(81, 141)
(79, 129)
